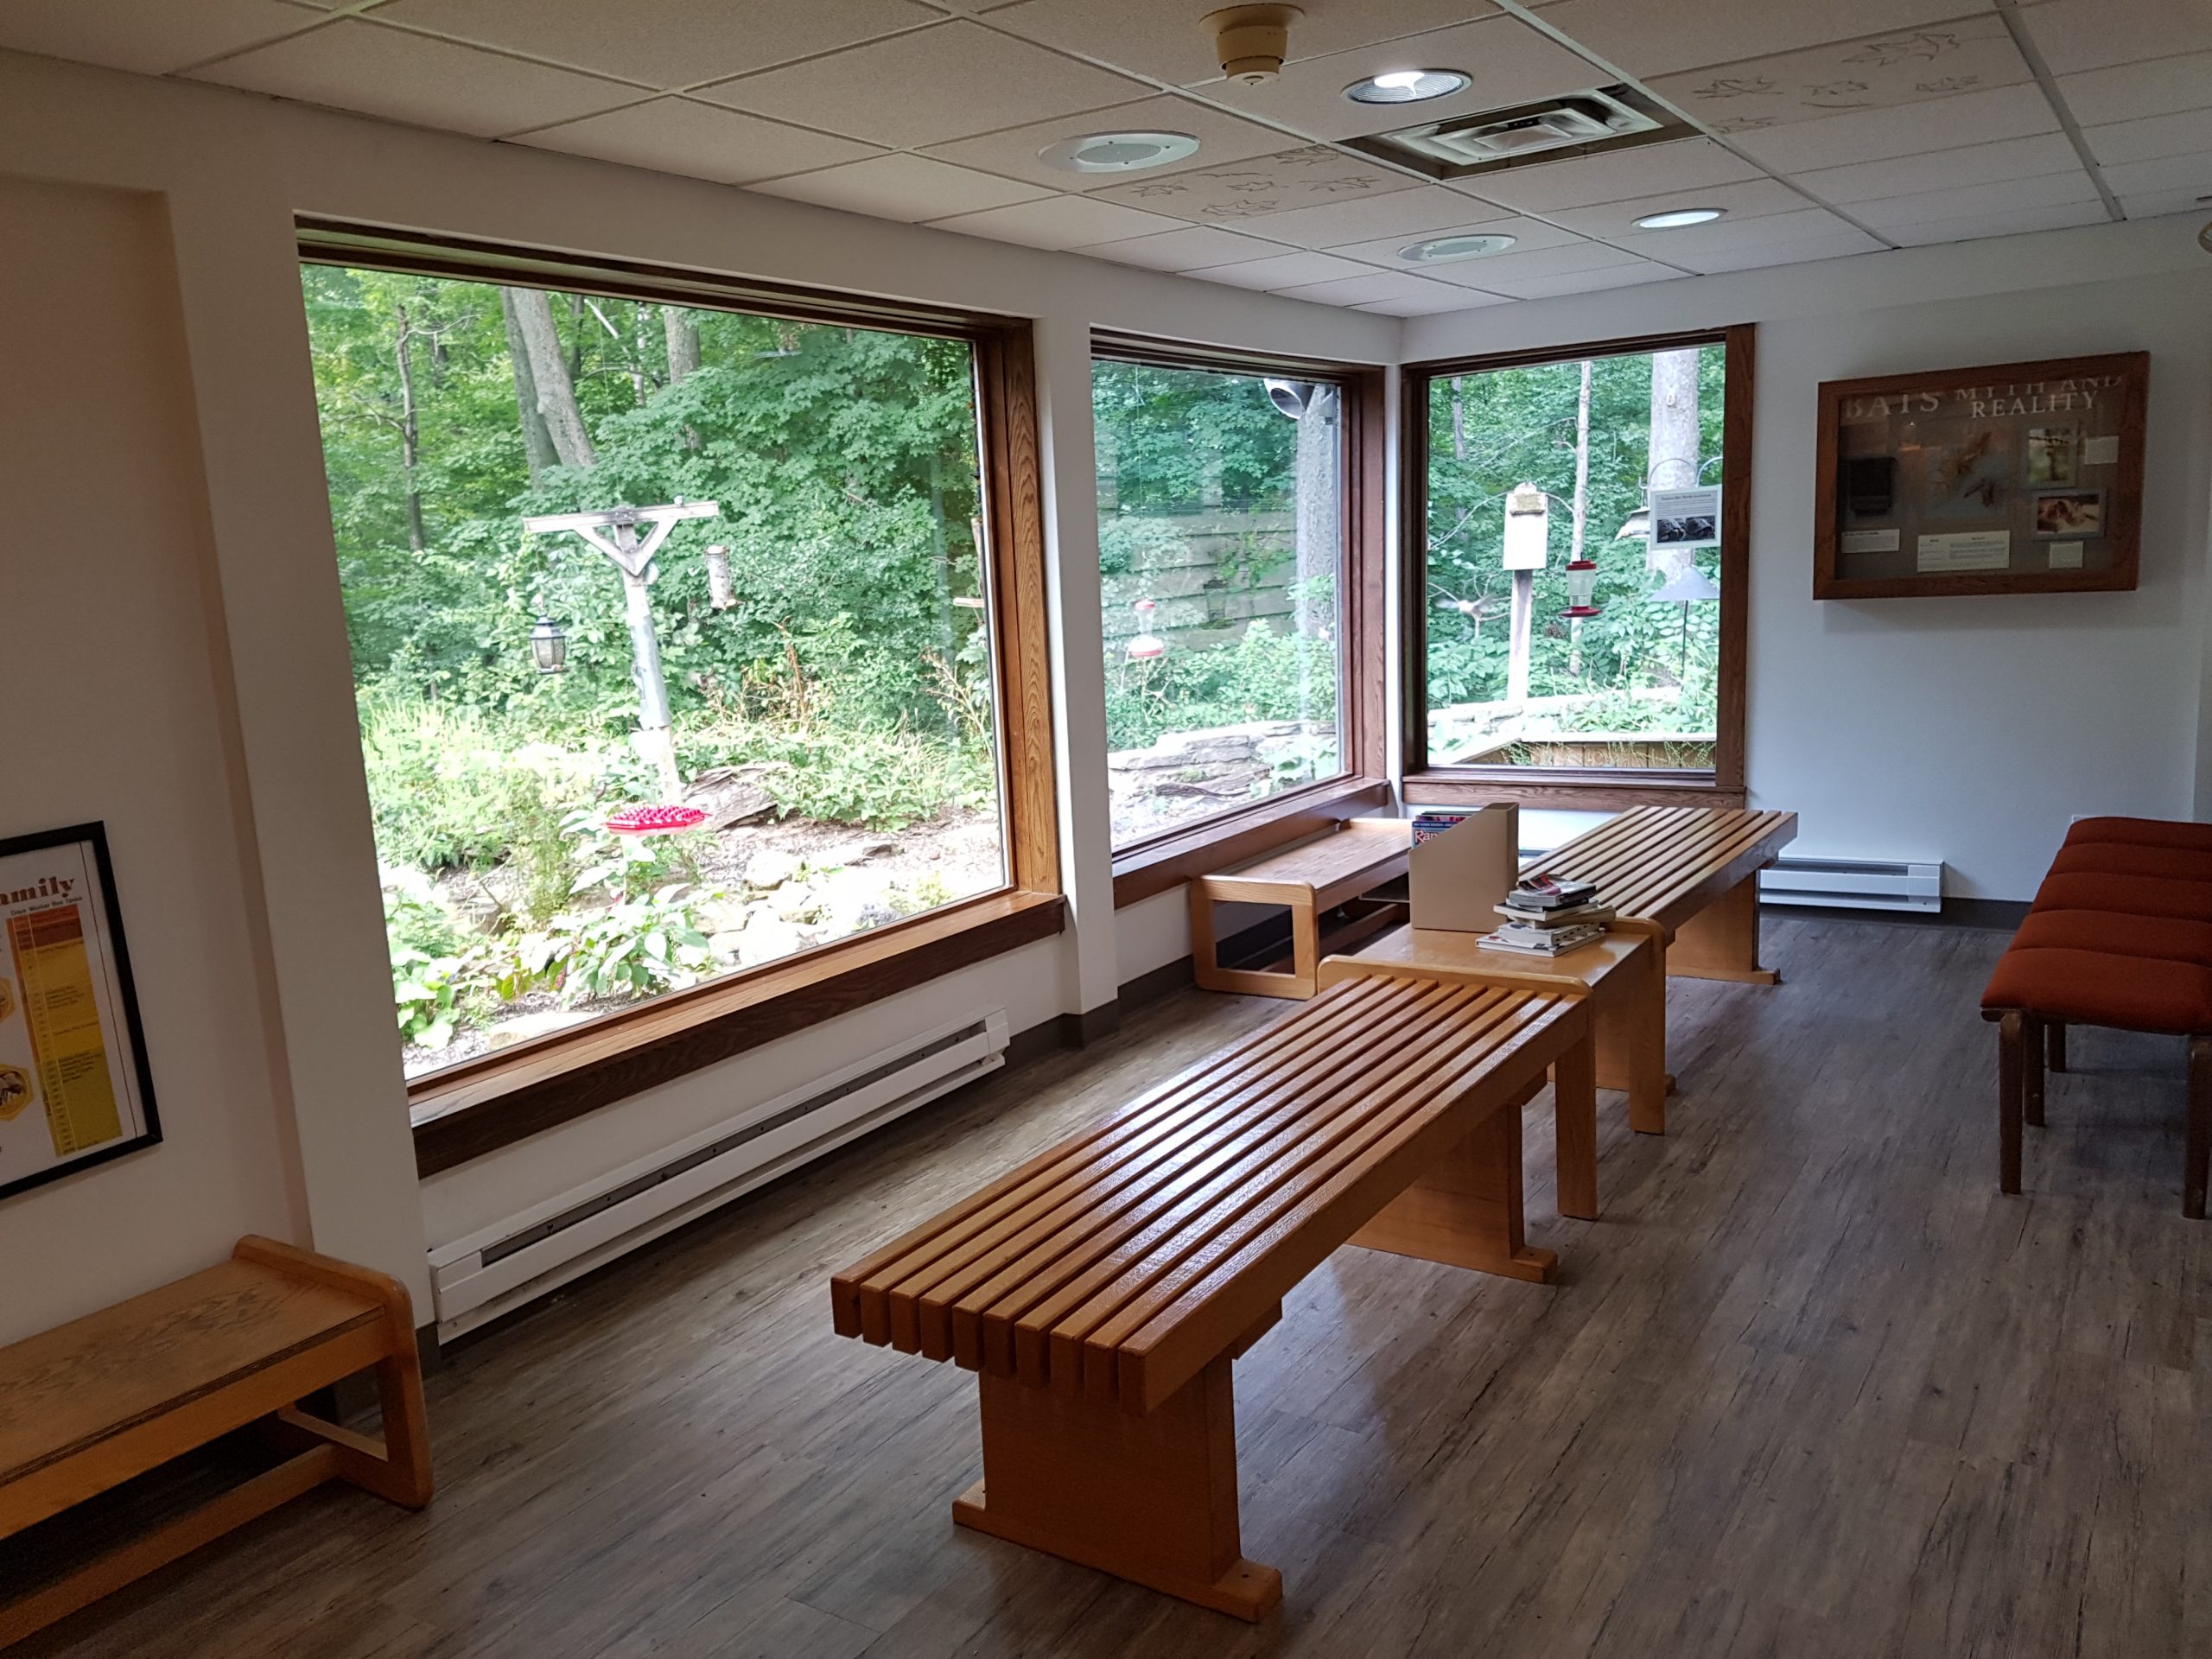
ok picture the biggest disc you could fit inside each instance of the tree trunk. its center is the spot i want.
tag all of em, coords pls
(721, 593)
(1674, 443)
(1581, 508)
(682, 343)
(410, 432)
(537, 441)
(1320, 518)
(549, 374)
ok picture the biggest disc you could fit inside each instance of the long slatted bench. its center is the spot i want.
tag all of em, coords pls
(1102, 1291)
(2120, 935)
(1689, 874)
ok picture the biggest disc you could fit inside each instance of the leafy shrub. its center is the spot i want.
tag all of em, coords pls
(1265, 676)
(434, 960)
(635, 948)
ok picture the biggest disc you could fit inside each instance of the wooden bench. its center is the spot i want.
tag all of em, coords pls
(87, 1405)
(1689, 874)
(1102, 1291)
(1310, 879)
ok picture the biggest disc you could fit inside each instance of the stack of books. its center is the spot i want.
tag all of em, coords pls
(1434, 823)
(1545, 915)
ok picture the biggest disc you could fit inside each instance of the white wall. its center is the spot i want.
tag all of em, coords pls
(1966, 729)
(112, 677)
(231, 170)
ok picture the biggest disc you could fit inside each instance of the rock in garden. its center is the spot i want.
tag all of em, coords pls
(769, 868)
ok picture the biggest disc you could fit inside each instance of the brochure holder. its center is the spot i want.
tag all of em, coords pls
(1456, 881)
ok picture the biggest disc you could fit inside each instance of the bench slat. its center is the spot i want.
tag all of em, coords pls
(1662, 864)
(71, 1387)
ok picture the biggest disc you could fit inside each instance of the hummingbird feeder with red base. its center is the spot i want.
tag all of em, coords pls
(1581, 589)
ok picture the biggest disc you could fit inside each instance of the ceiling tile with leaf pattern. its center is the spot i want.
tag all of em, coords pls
(1253, 189)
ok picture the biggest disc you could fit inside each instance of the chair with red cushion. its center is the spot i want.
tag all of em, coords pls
(2120, 935)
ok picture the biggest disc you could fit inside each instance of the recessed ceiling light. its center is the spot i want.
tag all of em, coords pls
(1675, 219)
(1118, 152)
(1406, 86)
(1454, 247)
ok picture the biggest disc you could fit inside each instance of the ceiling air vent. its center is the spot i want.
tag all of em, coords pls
(1579, 125)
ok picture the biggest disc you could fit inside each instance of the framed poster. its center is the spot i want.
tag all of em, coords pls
(75, 1086)
(2021, 478)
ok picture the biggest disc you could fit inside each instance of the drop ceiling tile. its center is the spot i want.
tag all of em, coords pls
(928, 87)
(1585, 281)
(1647, 40)
(1529, 236)
(673, 135)
(1058, 222)
(1880, 135)
(2168, 173)
(1163, 38)
(2156, 204)
(2187, 134)
(1740, 201)
(904, 187)
(2076, 35)
(353, 65)
(1261, 187)
(1366, 290)
(1452, 299)
(1286, 271)
(1766, 229)
(1974, 226)
(1977, 200)
(1403, 213)
(1873, 72)
(1192, 248)
(1507, 63)
(150, 37)
(1837, 246)
(662, 42)
(1524, 266)
(1975, 164)
(2131, 92)
(1617, 176)
(1222, 139)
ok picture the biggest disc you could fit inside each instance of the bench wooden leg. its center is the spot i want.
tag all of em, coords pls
(1574, 1107)
(1722, 940)
(1150, 1499)
(1205, 962)
(1632, 1030)
(2055, 1040)
(1467, 1213)
(2031, 1069)
(2010, 1042)
(2197, 1151)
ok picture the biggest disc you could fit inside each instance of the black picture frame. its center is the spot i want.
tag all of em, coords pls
(93, 837)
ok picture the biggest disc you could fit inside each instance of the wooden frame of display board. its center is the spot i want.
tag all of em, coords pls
(2012, 478)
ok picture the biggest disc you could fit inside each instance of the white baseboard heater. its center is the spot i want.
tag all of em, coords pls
(1853, 884)
(478, 1278)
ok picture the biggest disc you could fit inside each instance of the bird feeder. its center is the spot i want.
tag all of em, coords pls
(1581, 589)
(654, 820)
(1145, 646)
(1528, 528)
(549, 647)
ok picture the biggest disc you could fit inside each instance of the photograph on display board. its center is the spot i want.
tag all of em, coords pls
(2050, 455)
(2069, 512)
(75, 1086)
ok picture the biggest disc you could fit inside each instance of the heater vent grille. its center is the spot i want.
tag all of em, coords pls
(1604, 118)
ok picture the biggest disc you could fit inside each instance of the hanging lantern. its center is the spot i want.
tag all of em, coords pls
(1146, 645)
(1581, 589)
(548, 645)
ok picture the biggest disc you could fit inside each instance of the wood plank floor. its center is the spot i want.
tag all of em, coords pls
(1810, 1387)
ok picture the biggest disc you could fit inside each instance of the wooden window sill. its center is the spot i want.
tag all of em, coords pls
(1168, 860)
(482, 1105)
(1588, 788)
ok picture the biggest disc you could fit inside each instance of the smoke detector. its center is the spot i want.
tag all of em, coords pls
(1251, 42)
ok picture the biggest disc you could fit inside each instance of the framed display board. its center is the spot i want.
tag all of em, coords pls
(75, 1086)
(2021, 478)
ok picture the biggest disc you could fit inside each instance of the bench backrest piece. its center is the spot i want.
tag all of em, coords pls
(1663, 864)
(1122, 1262)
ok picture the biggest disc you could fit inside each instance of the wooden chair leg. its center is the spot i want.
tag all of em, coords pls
(2009, 1045)
(2032, 1069)
(2055, 1041)
(2197, 1150)
(1149, 1498)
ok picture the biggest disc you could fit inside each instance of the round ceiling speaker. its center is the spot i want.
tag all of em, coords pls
(1118, 152)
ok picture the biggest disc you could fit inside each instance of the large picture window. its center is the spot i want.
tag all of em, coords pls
(1222, 536)
(673, 637)
(1579, 602)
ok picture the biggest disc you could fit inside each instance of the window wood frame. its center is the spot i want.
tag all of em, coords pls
(1165, 860)
(1585, 788)
(464, 1111)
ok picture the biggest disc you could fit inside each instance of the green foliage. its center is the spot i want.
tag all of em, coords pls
(1265, 676)
(1173, 436)
(635, 947)
(433, 960)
